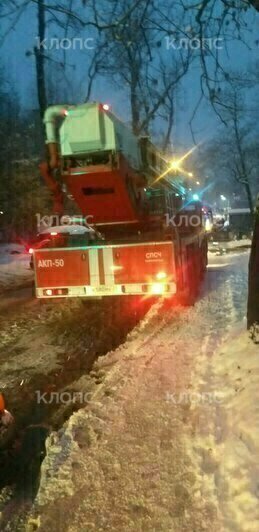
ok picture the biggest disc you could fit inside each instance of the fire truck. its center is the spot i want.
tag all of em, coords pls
(136, 232)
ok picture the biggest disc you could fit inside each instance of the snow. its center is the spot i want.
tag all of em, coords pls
(71, 229)
(229, 245)
(233, 432)
(14, 266)
(169, 439)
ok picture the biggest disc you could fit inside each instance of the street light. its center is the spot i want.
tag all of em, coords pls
(175, 165)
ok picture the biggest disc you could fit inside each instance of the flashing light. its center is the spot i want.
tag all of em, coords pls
(161, 275)
(157, 288)
(106, 107)
(175, 165)
(116, 268)
(196, 197)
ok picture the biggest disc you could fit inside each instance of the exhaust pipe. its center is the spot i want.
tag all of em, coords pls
(50, 121)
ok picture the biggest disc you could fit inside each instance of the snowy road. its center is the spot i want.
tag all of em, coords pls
(148, 452)
(229, 272)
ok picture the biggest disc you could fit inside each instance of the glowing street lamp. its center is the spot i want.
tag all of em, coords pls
(175, 165)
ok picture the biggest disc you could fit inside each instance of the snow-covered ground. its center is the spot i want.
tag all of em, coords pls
(14, 266)
(226, 245)
(227, 441)
(169, 440)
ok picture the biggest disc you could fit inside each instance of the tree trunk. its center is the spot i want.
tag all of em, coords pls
(253, 279)
(255, 4)
(134, 103)
(134, 111)
(170, 124)
(39, 52)
(250, 198)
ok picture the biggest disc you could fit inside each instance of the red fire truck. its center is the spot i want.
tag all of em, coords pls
(136, 233)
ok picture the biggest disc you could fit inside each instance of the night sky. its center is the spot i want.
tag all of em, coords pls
(21, 70)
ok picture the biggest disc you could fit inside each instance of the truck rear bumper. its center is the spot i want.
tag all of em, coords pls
(156, 288)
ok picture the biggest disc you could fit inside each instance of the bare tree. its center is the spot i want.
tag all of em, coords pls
(209, 28)
(238, 138)
(135, 62)
(71, 19)
(231, 158)
(137, 32)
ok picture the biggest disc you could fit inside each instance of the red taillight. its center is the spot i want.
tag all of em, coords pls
(55, 292)
(31, 251)
(106, 107)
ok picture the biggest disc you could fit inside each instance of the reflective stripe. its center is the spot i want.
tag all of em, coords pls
(101, 266)
(108, 266)
(95, 291)
(94, 267)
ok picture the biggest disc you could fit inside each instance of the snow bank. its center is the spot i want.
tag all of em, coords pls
(230, 244)
(14, 266)
(227, 443)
